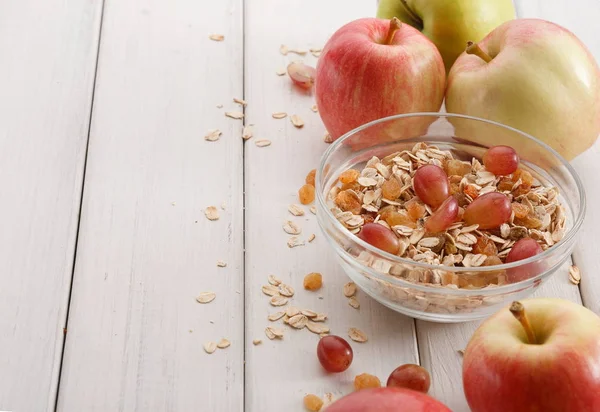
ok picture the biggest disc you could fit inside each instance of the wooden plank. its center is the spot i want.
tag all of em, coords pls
(146, 250)
(280, 373)
(581, 18)
(48, 54)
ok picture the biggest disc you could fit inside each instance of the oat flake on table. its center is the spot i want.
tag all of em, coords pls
(273, 332)
(314, 108)
(235, 115)
(296, 210)
(256, 342)
(349, 289)
(291, 228)
(274, 280)
(216, 37)
(270, 290)
(353, 301)
(294, 241)
(262, 143)
(247, 132)
(221, 264)
(286, 290)
(574, 275)
(206, 297)
(276, 316)
(279, 115)
(280, 72)
(211, 213)
(357, 335)
(311, 238)
(278, 300)
(213, 135)
(240, 101)
(297, 121)
(210, 347)
(223, 343)
(317, 328)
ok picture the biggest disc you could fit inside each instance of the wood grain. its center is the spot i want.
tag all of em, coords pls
(46, 81)
(280, 373)
(146, 250)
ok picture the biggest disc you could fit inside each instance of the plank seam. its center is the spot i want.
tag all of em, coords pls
(87, 145)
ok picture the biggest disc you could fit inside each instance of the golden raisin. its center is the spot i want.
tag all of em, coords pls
(505, 184)
(530, 222)
(351, 186)
(391, 189)
(461, 199)
(520, 210)
(415, 209)
(349, 176)
(492, 261)
(395, 217)
(348, 201)
(313, 281)
(313, 402)
(471, 191)
(522, 189)
(306, 194)
(524, 175)
(368, 218)
(457, 167)
(454, 188)
(366, 381)
(485, 246)
(310, 177)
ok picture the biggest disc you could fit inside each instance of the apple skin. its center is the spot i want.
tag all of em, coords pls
(502, 372)
(450, 24)
(541, 80)
(387, 400)
(359, 79)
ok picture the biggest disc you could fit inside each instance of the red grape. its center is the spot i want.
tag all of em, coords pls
(302, 75)
(443, 217)
(380, 236)
(501, 160)
(334, 353)
(410, 376)
(431, 185)
(488, 211)
(523, 249)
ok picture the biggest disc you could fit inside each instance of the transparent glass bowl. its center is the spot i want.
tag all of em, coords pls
(394, 281)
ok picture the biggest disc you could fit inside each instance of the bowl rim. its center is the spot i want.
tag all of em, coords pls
(569, 235)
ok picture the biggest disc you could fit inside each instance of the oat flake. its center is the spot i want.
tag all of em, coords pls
(273, 280)
(256, 342)
(291, 228)
(213, 135)
(210, 347)
(273, 332)
(296, 210)
(286, 290)
(278, 301)
(235, 115)
(270, 290)
(314, 108)
(206, 297)
(247, 132)
(275, 316)
(221, 264)
(280, 72)
(313, 210)
(262, 143)
(317, 328)
(357, 335)
(352, 301)
(297, 121)
(223, 343)
(294, 241)
(292, 311)
(311, 237)
(574, 275)
(299, 321)
(216, 37)
(211, 213)
(240, 101)
(279, 115)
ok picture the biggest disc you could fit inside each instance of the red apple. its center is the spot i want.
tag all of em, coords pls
(535, 76)
(547, 359)
(373, 68)
(387, 400)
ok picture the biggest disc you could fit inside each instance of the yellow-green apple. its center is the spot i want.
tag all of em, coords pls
(532, 75)
(535, 355)
(373, 68)
(387, 400)
(449, 24)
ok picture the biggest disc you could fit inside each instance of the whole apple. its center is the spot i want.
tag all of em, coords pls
(373, 68)
(387, 400)
(532, 75)
(449, 24)
(547, 359)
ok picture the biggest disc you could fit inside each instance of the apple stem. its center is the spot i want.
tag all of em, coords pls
(518, 311)
(473, 48)
(394, 25)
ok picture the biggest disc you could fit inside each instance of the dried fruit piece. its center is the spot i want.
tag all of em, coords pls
(302, 74)
(489, 211)
(206, 297)
(310, 177)
(410, 376)
(348, 201)
(391, 189)
(485, 246)
(394, 217)
(313, 402)
(366, 381)
(492, 261)
(471, 191)
(349, 176)
(457, 168)
(357, 335)
(313, 281)
(431, 185)
(520, 210)
(335, 353)
(529, 221)
(306, 194)
(380, 236)
(349, 289)
(501, 160)
(415, 209)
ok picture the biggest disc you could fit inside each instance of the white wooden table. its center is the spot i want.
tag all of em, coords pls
(105, 174)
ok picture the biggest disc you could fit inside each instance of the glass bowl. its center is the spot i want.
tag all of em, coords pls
(405, 285)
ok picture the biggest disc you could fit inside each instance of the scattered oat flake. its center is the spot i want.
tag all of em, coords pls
(280, 72)
(279, 115)
(210, 347)
(221, 264)
(213, 135)
(270, 290)
(317, 328)
(276, 316)
(223, 205)
(309, 313)
(313, 210)
(327, 138)
(216, 37)
(574, 275)
(297, 121)
(321, 317)
(311, 237)
(300, 52)
(461, 352)
(247, 132)
(223, 343)
(291, 228)
(263, 143)
(314, 108)
(296, 210)
(273, 280)
(278, 300)
(353, 301)
(256, 342)
(349, 289)
(235, 115)
(286, 290)
(357, 335)
(219, 106)
(206, 297)
(240, 101)
(292, 311)
(283, 49)
(273, 332)
(212, 213)
(298, 321)
(294, 241)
